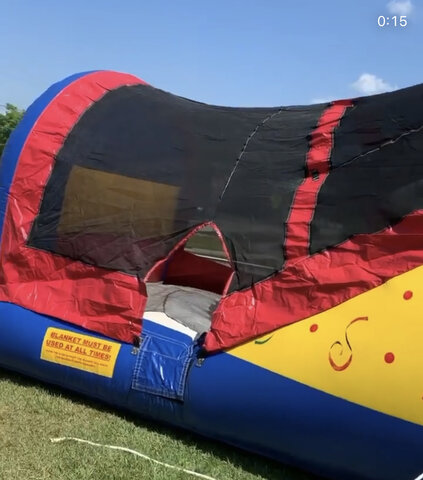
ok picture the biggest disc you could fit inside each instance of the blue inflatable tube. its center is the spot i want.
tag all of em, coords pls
(220, 394)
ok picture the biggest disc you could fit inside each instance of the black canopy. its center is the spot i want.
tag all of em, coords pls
(142, 168)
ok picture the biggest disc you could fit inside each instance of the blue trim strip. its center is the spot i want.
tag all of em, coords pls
(13, 148)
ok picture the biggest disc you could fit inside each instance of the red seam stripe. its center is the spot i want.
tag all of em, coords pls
(297, 237)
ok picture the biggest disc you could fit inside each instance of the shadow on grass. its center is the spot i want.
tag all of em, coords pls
(249, 462)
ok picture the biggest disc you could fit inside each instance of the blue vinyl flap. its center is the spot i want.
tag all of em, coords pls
(162, 362)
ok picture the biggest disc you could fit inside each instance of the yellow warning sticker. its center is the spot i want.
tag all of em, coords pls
(83, 352)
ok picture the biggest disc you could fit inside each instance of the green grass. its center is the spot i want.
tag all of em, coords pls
(31, 413)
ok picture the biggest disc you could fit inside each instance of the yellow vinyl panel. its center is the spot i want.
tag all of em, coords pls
(368, 350)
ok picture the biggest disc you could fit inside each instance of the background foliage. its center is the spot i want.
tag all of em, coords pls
(8, 121)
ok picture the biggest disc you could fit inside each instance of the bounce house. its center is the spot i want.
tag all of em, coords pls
(301, 342)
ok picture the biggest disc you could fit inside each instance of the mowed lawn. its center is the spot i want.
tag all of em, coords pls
(31, 413)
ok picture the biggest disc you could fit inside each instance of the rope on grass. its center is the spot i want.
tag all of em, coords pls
(133, 452)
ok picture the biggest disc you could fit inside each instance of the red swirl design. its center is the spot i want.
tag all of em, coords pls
(340, 367)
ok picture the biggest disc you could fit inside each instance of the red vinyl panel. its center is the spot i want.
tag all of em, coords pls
(104, 301)
(190, 270)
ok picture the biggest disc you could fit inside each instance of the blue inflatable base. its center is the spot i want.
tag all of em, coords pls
(225, 398)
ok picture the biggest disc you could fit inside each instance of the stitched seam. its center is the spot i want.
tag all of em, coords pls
(244, 148)
(382, 145)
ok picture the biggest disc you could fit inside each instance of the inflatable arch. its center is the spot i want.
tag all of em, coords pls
(302, 343)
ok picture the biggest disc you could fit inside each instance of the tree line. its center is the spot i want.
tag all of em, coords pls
(8, 120)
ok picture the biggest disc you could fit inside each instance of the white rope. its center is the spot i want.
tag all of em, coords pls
(133, 452)
(142, 455)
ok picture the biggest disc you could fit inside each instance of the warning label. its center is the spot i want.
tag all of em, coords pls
(83, 352)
